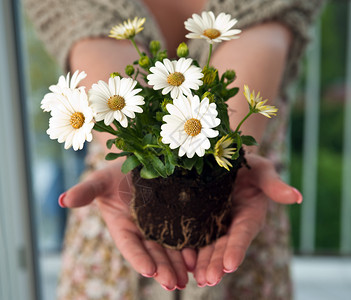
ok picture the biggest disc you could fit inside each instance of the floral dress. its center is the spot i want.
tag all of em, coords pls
(92, 267)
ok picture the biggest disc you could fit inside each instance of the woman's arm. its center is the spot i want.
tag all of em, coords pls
(258, 57)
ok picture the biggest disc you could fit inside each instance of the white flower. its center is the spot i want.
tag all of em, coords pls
(116, 100)
(177, 77)
(50, 100)
(128, 29)
(210, 28)
(257, 105)
(72, 120)
(189, 125)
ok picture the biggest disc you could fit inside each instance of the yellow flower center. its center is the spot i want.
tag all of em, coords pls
(219, 151)
(175, 79)
(116, 102)
(192, 127)
(129, 33)
(212, 33)
(77, 120)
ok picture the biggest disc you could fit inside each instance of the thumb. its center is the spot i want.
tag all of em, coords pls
(86, 191)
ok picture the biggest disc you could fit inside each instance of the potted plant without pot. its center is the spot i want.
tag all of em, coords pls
(169, 118)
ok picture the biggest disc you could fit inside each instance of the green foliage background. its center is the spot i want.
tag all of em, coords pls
(333, 51)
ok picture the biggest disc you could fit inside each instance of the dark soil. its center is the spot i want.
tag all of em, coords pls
(185, 209)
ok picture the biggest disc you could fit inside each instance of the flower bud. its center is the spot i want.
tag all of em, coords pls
(154, 47)
(182, 50)
(120, 143)
(162, 55)
(208, 95)
(129, 70)
(210, 74)
(144, 62)
(229, 75)
(115, 74)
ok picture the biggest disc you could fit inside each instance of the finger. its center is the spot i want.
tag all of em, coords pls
(215, 272)
(240, 237)
(203, 259)
(128, 240)
(264, 174)
(166, 274)
(179, 267)
(189, 257)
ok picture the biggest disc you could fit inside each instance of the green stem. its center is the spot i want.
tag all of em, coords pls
(242, 121)
(106, 128)
(136, 74)
(151, 146)
(209, 56)
(136, 47)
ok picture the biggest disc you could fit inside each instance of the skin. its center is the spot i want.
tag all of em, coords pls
(259, 58)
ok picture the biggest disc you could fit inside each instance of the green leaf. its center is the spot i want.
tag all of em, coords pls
(232, 92)
(147, 139)
(101, 127)
(110, 143)
(248, 140)
(112, 156)
(188, 163)
(238, 141)
(151, 161)
(130, 163)
(148, 173)
(199, 165)
(170, 162)
(222, 109)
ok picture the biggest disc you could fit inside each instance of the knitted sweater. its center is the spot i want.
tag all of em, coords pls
(60, 23)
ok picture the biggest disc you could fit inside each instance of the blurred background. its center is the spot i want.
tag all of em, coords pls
(319, 156)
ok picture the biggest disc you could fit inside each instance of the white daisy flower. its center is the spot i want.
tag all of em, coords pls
(72, 120)
(189, 125)
(257, 105)
(116, 100)
(50, 100)
(127, 29)
(177, 77)
(210, 28)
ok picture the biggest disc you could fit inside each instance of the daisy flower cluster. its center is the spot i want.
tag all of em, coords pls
(164, 113)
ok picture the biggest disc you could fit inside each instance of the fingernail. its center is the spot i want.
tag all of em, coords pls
(229, 271)
(213, 284)
(60, 200)
(299, 196)
(180, 287)
(201, 285)
(167, 288)
(148, 275)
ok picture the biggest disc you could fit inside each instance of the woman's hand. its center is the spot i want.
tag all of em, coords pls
(111, 190)
(253, 189)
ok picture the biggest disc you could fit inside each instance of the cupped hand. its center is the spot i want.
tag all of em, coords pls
(110, 188)
(253, 189)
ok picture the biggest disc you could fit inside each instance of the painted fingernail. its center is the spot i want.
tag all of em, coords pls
(149, 275)
(201, 285)
(180, 287)
(213, 284)
(60, 200)
(168, 288)
(299, 196)
(229, 271)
